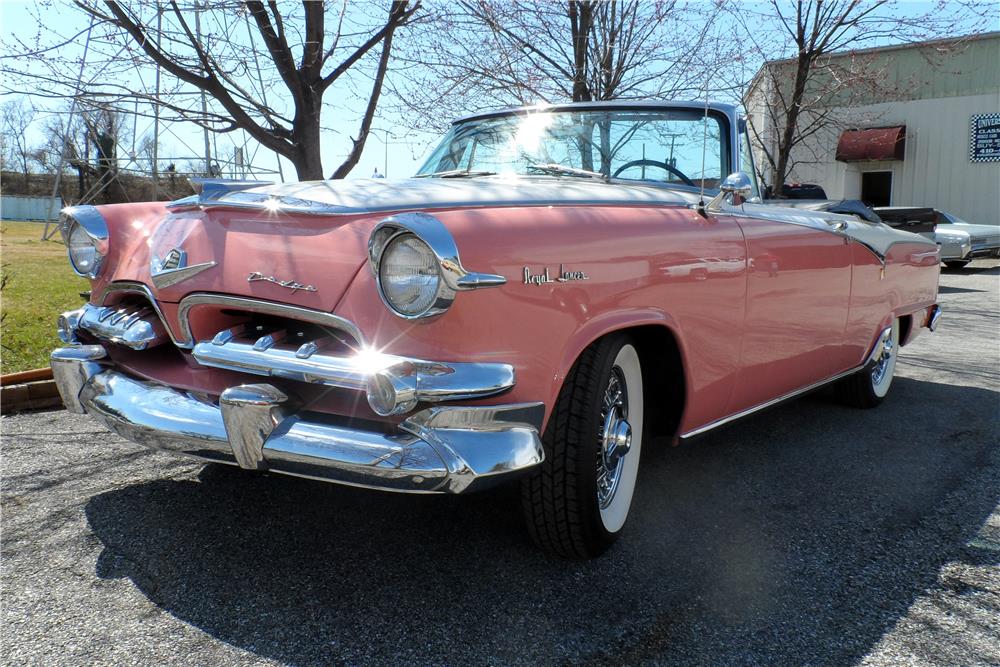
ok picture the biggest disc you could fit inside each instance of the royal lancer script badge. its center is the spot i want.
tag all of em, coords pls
(293, 285)
(563, 276)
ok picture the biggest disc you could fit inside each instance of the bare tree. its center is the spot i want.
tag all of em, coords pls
(792, 101)
(16, 116)
(480, 54)
(260, 67)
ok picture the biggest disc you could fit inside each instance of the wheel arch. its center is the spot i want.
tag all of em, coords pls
(661, 354)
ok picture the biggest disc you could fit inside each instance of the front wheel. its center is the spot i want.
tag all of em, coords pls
(576, 503)
(867, 387)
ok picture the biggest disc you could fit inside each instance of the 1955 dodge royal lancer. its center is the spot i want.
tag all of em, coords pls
(555, 286)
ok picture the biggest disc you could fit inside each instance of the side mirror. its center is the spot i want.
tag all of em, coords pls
(739, 186)
(736, 186)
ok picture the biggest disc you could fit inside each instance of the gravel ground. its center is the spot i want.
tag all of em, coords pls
(811, 534)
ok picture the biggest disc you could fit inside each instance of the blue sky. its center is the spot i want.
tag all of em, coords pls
(401, 150)
(391, 145)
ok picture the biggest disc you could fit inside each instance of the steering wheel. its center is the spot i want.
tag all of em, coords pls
(654, 163)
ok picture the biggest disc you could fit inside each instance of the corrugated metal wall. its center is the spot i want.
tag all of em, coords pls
(935, 89)
(936, 170)
(15, 207)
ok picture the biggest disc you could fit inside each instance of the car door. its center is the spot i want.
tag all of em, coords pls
(798, 297)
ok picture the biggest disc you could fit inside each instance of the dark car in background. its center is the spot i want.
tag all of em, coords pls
(948, 231)
(918, 220)
(797, 191)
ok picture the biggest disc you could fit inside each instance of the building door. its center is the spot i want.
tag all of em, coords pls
(876, 188)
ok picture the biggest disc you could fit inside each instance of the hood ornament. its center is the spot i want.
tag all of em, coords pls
(293, 285)
(173, 268)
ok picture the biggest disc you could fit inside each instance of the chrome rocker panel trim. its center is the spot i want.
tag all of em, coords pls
(439, 450)
(875, 353)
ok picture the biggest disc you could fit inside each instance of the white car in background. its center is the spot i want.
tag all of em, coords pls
(984, 239)
(955, 245)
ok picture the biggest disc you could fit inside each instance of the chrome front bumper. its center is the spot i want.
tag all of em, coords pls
(442, 449)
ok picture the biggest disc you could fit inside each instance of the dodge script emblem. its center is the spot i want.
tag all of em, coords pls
(293, 285)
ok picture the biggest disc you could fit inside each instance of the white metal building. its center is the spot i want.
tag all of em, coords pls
(926, 133)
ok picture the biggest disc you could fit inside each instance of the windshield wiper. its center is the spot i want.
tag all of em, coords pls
(561, 169)
(457, 173)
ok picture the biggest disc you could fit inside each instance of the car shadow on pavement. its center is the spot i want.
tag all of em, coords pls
(798, 536)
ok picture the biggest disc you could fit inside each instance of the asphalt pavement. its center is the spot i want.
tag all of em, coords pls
(809, 534)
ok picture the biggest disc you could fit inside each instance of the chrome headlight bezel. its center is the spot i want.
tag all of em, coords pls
(436, 296)
(453, 277)
(75, 220)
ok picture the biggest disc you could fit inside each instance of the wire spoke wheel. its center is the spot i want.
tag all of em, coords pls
(614, 439)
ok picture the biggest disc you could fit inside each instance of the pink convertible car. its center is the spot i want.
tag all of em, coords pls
(554, 287)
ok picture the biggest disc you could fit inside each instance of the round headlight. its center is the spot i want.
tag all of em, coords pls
(85, 234)
(83, 252)
(409, 276)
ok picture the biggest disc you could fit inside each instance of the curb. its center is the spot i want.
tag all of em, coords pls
(28, 390)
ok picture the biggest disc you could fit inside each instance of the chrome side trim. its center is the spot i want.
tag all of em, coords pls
(263, 308)
(454, 277)
(256, 201)
(757, 408)
(876, 350)
(443, 450)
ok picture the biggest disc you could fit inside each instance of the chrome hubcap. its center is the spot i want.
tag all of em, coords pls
(615, 438)
(882, 365)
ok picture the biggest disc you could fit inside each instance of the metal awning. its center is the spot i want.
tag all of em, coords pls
(876, 143)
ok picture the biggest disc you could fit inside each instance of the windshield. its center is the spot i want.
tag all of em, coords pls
(667, 146)
(948, 217)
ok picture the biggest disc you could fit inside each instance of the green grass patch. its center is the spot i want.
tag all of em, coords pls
(39, 286)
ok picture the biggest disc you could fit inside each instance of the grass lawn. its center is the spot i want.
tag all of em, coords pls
(40, 285)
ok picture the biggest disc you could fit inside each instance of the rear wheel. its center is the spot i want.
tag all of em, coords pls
(870, 385)
(576, 503)
(957, 264)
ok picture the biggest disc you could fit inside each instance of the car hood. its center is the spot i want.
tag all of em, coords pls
(362, 196)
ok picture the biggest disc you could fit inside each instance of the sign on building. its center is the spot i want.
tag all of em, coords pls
(984, 138)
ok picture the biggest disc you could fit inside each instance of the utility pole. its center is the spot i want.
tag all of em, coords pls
(204, 102)
(156, 111)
